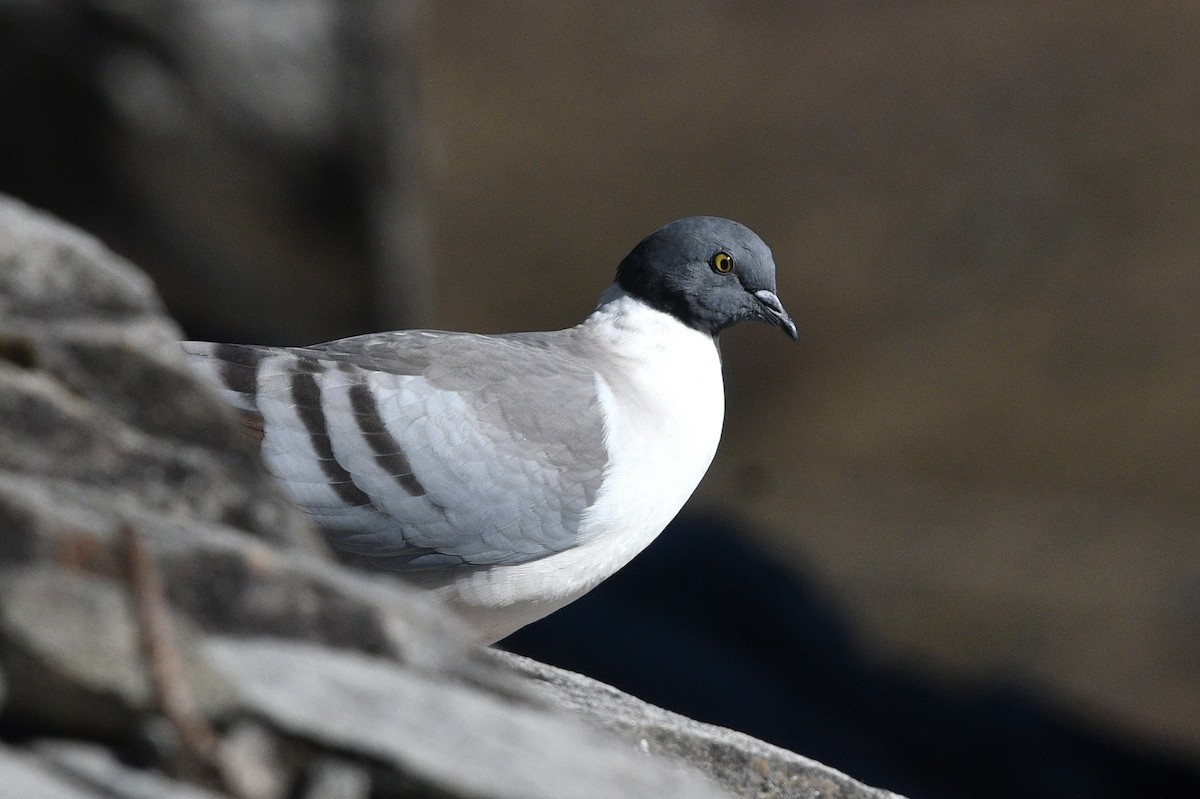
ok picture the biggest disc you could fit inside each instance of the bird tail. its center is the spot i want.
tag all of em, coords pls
(232, 369)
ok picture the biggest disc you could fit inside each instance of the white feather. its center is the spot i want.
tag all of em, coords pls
(660, 386)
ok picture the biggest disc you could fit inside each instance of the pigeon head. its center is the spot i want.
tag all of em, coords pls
(708, 272)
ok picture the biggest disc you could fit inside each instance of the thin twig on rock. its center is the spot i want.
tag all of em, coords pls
(168, 675)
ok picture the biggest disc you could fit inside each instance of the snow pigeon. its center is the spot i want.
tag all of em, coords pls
(510, 474)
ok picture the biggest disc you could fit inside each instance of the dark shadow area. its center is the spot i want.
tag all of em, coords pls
(705, 625)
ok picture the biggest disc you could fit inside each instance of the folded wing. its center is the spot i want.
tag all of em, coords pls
(422, 449)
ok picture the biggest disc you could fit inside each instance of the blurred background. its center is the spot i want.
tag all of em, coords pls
(949, 544)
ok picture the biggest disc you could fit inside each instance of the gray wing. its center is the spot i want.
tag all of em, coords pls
(424, 449)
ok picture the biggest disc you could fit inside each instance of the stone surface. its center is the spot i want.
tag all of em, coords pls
(25, 776)
(94, 766)
(331, 778)
(447, 738)
(312, 679)
(744, 765)
(48, 619)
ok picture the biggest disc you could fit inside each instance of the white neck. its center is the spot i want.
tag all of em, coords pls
(628, 326)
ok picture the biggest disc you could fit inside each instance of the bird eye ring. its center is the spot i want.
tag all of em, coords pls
(722, 263)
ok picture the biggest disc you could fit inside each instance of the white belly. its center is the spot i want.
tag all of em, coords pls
(664, 401)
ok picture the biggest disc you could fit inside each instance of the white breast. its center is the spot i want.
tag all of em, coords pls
(660, 386)
(664, 403)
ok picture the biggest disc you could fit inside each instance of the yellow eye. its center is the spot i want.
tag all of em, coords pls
(722, 263)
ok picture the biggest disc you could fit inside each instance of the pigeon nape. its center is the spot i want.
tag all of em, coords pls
(510, 474)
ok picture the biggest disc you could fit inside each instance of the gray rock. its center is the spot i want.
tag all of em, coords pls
(74, 657)
(744, 765)
(253, 754)
(24, 776)
(71, 651)
(332, 778)
(446, 738)
(95, 767)
(50, 273)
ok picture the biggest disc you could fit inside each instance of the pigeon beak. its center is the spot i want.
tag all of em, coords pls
(772, 312)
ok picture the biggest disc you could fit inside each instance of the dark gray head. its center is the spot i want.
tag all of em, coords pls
(708, 272)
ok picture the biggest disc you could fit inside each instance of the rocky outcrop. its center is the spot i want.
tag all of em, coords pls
(169, 627)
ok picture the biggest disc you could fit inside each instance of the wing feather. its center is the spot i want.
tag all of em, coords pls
(426, 449)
